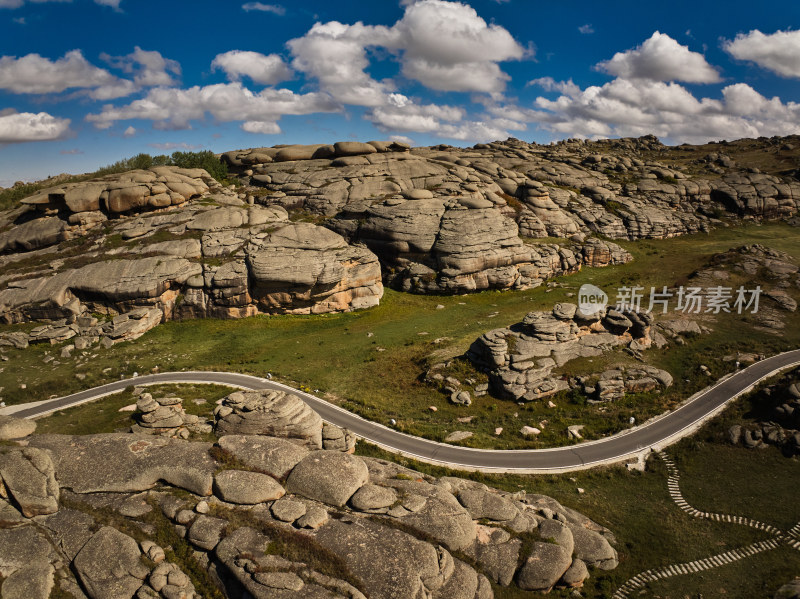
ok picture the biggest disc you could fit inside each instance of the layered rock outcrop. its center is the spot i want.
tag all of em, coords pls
(455, 245)
(428, 220)
(520, 359)
(158, 187)
(270, 413)
(207, 261)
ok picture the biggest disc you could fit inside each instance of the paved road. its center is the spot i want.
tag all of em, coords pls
(583, 455)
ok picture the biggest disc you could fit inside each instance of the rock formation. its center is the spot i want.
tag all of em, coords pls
(273, 518)
(425, 220)
(520, 359)
(270, 413)
(776, 273)
(166, 417)
(777, 419)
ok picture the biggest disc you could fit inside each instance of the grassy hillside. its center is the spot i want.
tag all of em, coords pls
(371, 361)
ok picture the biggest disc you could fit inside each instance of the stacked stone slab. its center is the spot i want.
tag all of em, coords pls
(337, 438)
(520, 359)
(162, 416)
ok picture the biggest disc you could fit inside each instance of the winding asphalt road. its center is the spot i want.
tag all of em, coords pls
(657, 433)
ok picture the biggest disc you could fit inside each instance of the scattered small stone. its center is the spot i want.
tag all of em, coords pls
(574, 431)
(461, 398)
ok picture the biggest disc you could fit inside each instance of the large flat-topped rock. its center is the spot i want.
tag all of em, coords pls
(123, 462)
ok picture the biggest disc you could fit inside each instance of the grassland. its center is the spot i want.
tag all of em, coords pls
(371, 361)
(107, 416)
(650, 530)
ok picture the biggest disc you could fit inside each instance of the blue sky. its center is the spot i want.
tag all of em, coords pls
(87, 82)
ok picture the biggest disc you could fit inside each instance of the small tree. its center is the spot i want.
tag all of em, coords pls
(141, 161)
(205, 160)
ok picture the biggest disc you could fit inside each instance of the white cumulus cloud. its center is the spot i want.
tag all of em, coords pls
(260, 68)
(445, 46)
(171, 108)
(403, 114)
(661, 58)
(148, 67)
(549, 84)
(18, 127)
(262, 127)
(35, 74)
(637, 107)
(778, 52)
(335, 54)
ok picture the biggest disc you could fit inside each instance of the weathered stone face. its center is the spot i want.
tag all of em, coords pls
(328, 476)
(307, 269)
(270, 413)
(109, 564)
(352, 512)
(122, 462)
(29, 478)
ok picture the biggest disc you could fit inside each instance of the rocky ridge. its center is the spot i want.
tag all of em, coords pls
(265, 516)
(321, 228)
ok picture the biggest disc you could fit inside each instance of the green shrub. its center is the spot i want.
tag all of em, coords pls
(205, 160)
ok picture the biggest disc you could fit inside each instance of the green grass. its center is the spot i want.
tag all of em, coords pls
(379, 376)
(759, 576)
(103, 415)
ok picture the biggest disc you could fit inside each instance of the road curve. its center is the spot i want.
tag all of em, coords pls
(657, 433)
